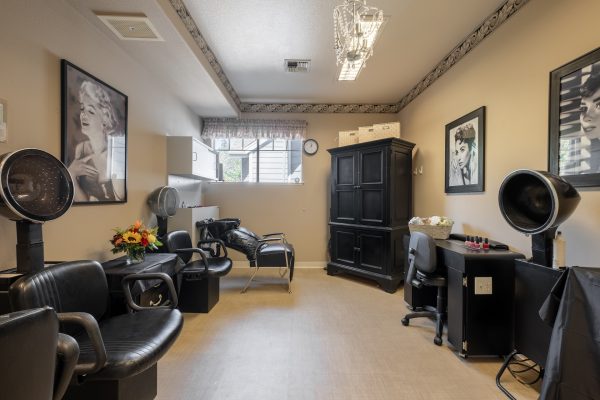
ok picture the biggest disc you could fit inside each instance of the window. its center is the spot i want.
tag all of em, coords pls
(259, 160)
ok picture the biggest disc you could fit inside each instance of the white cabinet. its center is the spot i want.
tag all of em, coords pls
(185, 219)
(189, 157)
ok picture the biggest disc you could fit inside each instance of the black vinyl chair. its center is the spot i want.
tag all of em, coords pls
(200, 278)
(36, 361)
(118, 355)
(422, 272)
(269, 250)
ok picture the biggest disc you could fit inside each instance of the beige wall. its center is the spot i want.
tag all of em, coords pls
(509, 74)
(35, 35)
(301, 211)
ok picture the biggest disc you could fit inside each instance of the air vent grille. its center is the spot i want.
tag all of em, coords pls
(296, 65)
(131, 27)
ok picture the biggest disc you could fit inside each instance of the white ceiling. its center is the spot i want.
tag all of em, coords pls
(251, 39)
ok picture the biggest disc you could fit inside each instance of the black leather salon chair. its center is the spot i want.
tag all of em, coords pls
(270, 250)
(200, 278)
(422, 272)
(36, 362)
(118, 355)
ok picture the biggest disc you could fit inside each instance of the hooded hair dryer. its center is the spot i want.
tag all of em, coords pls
(35, 187)
(536, 203)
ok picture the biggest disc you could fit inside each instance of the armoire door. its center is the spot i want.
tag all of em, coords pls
(343, 245)
(372, 191)
(373, 253)
(343, 189)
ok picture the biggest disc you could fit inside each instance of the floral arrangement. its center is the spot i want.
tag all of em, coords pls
(135, 240)
(435, 220)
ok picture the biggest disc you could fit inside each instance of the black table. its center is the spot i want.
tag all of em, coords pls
(480, 297)
(147, 292)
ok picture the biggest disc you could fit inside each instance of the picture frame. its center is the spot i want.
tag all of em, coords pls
(574, 121)
(464, 160)
(94, 136)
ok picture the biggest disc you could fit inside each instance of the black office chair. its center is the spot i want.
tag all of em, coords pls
(31, 350)
(199, 286)
(118, 354)
(422, 272)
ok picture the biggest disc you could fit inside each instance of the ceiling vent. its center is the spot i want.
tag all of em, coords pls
(131, 27)
(296, 65)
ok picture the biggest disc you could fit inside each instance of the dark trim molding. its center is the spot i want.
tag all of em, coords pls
(481, 32)
(318, 108)
(192, 28)
(490, 24)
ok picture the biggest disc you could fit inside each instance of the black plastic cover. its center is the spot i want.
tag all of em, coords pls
(573, 363)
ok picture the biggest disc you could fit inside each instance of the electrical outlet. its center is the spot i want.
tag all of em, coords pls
(483, 285)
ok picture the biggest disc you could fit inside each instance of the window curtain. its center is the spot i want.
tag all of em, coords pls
(228, 128)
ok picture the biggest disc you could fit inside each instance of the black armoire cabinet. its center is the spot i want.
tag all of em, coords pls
(371, 203)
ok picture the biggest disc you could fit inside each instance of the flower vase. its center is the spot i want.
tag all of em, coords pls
(135, 256)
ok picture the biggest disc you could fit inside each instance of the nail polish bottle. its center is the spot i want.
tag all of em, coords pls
(467, 238)
(486, 244)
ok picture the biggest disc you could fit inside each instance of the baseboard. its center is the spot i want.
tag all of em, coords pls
(298, 264)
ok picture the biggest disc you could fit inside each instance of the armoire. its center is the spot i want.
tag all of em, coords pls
(370, 206)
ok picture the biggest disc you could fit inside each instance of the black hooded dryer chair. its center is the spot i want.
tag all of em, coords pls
(422, 271)
(270, 250)
(199, 283)
(118, 355)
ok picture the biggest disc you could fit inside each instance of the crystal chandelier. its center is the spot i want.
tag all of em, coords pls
(356, 28)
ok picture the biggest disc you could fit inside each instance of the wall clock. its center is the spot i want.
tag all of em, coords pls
(310, 147)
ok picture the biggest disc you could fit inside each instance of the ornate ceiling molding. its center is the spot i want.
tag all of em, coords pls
(319, 108)
(491, 23)
(481, 32)
(192, 28)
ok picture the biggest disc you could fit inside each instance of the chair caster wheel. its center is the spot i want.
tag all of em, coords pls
(405, 321)
(437, 341)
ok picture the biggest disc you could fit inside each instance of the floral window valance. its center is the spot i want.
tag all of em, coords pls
(253, 128)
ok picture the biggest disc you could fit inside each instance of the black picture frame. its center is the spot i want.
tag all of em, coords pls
(94, 136)
(574, 131)
(468, 132)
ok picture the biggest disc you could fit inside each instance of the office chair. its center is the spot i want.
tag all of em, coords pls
(271, 250)
(422, 272)
(199, 286)
(118, 354)
(36, 361)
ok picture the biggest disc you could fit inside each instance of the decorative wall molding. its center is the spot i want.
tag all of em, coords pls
(192, 28)
(491, 23)
(481, 32)
(318, 108)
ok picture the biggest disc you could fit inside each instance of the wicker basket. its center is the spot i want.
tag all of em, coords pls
(435, 231)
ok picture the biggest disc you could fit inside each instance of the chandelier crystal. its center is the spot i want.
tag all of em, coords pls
(356, 28)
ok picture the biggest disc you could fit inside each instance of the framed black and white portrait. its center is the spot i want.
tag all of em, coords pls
(465, 153)
(94, 136)
(574, 137)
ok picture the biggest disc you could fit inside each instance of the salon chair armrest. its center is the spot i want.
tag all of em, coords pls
(274, 234)
(197, 251)
(220, 245)
(89, 323)
(155, 275)
(67, 353)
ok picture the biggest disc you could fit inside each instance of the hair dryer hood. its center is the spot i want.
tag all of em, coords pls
(34, 186)
(535, 201)
(163, 201)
